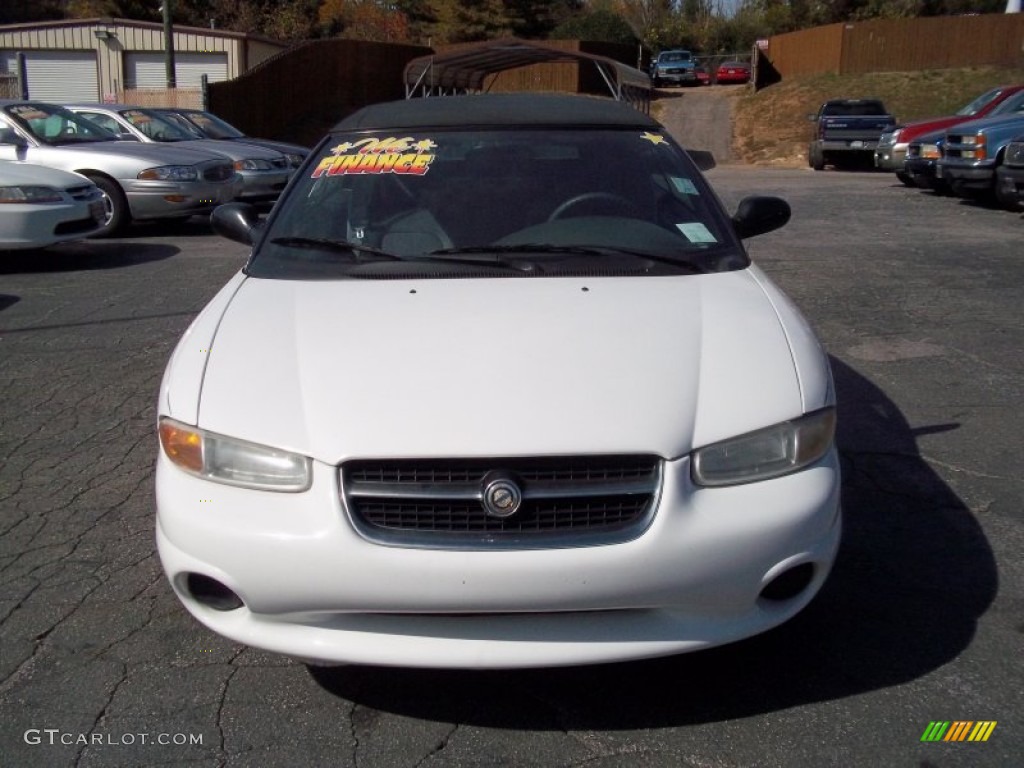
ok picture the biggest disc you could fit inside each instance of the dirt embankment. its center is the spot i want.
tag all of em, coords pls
(700, 118)
(769, 127)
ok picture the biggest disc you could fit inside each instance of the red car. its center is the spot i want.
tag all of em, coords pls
(703, 78)
(732, 72)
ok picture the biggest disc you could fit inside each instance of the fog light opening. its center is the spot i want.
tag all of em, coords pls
(212, 593)
(790, 583)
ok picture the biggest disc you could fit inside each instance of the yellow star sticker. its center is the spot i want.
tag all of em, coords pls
(425, 145)
(341, 148)
(654, 138)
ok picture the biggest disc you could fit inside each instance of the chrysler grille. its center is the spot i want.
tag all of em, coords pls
(566, 501)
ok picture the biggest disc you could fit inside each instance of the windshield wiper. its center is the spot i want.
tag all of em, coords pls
(574, 250)
(337, 246)
(356, 249)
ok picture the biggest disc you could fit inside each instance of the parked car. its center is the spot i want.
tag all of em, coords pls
(264, 172)
(703, 78)
(847, 130)
(424, 431)
(1010, 175)
(732, 72)
(137, 181)
(892, 147)
(921, 163)
(40, 206)
(675, 67)
(973, 151)
(208, 125)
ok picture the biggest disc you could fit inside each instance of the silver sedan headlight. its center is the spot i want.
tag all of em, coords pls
(253, 164)
(233, 462)
(171, 173)
(771, 452)
(30, 194)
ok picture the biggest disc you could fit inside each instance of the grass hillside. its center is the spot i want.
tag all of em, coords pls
(770, 127)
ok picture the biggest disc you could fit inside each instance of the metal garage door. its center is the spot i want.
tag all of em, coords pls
(148, 70)
(62, 76)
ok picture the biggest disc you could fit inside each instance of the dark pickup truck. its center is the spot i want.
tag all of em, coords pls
(847, 130)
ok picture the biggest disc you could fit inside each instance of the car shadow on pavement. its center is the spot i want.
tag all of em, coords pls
(7, 300)
(84, 255)
(913, 575)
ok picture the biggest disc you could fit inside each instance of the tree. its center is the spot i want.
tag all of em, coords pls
(363, 20)
(602, 24)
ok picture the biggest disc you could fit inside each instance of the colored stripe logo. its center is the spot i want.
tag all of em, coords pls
(958, 730)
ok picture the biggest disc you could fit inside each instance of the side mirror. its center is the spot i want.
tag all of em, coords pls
(757, 215)
(703, 159)
(236, 221)
(8, 136)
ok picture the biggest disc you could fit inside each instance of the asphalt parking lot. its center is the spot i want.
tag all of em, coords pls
(918, 300)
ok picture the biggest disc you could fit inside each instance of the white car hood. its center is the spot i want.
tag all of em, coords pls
(497, 367)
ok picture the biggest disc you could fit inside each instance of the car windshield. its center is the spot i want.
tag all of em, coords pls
(979, 103)
(1012, 105)
(525, 202)
(212, 126)
(155, 126)
(57, 126)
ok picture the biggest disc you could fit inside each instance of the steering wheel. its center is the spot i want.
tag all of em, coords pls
(587, 197)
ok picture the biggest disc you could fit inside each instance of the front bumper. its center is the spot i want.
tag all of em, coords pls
(687, 77)
(171, 199)
(262, 186)
(1010, 182)
(922, 171)
(36, 226)
(312, 588)
(890, 157)
(966, 176)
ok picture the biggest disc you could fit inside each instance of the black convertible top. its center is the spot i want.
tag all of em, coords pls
(498, 109)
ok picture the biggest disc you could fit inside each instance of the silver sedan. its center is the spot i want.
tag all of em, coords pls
(41, 206)
(137, 181)
(264, 172)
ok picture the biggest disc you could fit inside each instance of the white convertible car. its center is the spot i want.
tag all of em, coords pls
(498, 387)
(41, 206)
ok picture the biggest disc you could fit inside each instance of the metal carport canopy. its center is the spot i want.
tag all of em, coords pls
(465, 70)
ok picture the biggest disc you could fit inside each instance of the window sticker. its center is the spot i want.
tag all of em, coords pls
(696, 232)
(28, 112)
(685, 186)
(406, 156)
(654, 138)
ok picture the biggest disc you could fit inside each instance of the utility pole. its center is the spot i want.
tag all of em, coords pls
(169, 45)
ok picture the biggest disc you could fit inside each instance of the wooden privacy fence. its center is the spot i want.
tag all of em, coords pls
(897, 45)
(300, 93)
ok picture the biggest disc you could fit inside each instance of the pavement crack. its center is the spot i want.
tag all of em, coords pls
(102, 713)
(440, 747)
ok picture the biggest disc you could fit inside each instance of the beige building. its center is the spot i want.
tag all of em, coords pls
(121, 60)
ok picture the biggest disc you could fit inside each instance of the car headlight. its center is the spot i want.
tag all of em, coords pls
(30, 194)
(931, 151)
(252, 164)
(234, 462)
(766, 453)
(171, 173)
